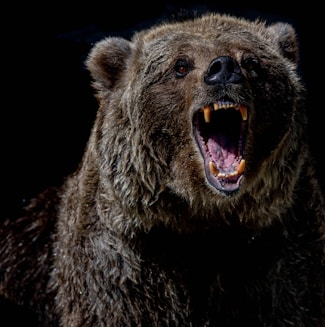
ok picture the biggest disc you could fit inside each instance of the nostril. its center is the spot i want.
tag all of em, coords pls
(214, 69)
(223, 70)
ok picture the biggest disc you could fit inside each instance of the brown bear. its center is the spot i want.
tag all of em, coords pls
(196, 202)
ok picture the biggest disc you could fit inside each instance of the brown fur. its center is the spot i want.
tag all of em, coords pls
(142, 234)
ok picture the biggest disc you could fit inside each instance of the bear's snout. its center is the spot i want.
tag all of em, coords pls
(223, 70)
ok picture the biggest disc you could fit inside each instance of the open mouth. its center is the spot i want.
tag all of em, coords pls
(220, 131)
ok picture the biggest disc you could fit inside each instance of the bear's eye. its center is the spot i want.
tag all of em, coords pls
(251, 65)
(182, 68)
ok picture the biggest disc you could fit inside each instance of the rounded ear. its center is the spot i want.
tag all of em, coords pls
(285, 37)
(107, 60)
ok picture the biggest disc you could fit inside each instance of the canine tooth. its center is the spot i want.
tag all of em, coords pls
(207, 114)
(213, 168)
(243, 111)
(241, 167)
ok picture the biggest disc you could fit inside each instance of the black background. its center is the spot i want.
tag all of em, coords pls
(48, 105)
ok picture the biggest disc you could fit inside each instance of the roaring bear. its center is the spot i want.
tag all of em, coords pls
(196, 202)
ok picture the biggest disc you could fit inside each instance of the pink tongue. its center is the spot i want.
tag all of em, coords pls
(223, 154)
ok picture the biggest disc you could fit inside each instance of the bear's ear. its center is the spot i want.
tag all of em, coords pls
(285, 37)
(107, 60)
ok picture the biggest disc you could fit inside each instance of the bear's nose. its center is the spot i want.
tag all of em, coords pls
(223, 70)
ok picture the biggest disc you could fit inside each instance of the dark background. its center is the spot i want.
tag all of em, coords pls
(48, 105)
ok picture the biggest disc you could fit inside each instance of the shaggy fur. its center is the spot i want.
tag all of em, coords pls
(173, 219)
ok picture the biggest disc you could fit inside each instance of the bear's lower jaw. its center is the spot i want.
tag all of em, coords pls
(225, 182)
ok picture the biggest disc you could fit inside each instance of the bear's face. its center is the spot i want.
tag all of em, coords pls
(206, 107)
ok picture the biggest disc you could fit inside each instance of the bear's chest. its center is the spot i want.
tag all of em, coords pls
(200, 261)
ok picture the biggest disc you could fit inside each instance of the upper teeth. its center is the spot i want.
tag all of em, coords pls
(222, 105)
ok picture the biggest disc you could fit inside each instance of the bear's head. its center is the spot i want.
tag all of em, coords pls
(205, 112)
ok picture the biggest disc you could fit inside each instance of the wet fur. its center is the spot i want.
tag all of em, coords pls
(138, 237)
